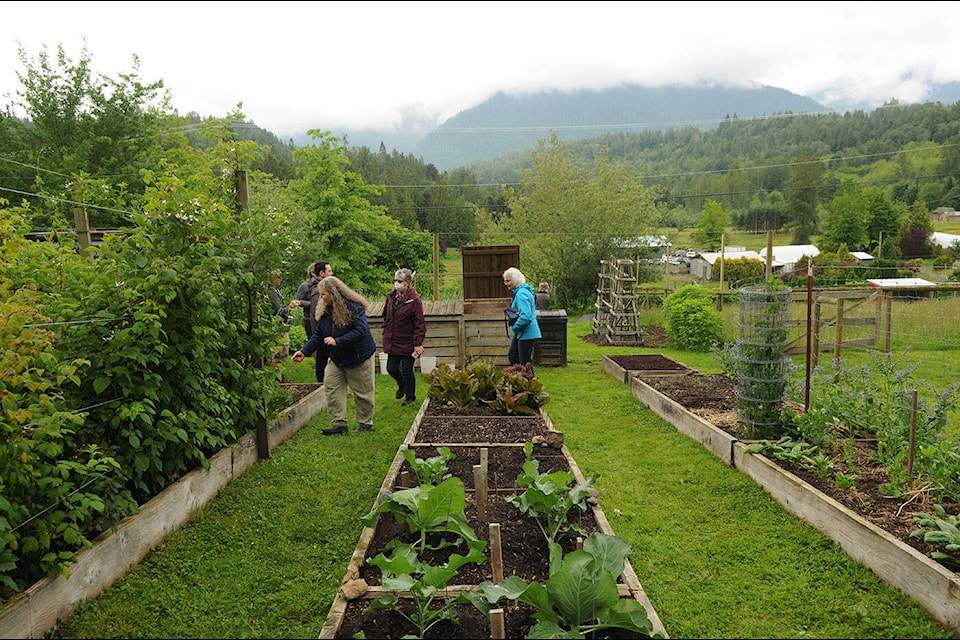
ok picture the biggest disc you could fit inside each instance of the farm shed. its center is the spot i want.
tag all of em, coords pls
(702, 265)
(945, 240)
(789, 255)
(907, 287)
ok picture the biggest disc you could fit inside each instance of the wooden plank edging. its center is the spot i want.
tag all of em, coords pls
(34, 612)
(331, 626)
(925, 581)
(715, 440)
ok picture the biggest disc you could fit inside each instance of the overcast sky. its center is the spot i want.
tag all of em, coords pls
(327, 65)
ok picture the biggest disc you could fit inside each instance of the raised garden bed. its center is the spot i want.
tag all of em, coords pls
(522, 547)
(34, 612)
(894, 560)
(623, 367)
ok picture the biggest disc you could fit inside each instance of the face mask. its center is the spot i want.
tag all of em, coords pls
(398, 286)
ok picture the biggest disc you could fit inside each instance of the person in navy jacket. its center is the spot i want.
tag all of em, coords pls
(343, 331)
(526, 330)
(404, 329)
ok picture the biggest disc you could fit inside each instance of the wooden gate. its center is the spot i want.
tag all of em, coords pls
(847, 312)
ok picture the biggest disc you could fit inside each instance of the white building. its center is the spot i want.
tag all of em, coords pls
(701, 266)
(789, 255)
(945, 240)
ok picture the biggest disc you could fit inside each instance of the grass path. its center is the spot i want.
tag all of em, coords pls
(716, 555)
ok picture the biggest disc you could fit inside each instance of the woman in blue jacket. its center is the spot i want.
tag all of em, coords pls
(343, 331)
(526, 330)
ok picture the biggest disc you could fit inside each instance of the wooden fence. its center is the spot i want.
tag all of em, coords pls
(457, 332)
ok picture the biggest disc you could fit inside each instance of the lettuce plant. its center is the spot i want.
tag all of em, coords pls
(452, 386)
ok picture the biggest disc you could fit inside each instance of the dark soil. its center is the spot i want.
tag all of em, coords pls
(504, 429)
(523, 545)
(713, 398)
(649, 362)
(653, 337)
(296, 391)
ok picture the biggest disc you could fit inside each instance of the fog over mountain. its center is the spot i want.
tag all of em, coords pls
(508, 123)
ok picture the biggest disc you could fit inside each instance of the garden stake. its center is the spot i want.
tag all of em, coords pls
(480, 491)
(496, 624)
(496, 553)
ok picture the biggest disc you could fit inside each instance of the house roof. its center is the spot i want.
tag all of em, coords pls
(945, 240)
(861, 255)
(789, 253)
(711, 257)
(630, 242)
(900, 283)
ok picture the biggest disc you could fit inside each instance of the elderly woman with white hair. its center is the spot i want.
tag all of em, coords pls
(526, 329)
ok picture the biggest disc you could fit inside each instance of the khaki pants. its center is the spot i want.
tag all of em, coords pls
(359, 378)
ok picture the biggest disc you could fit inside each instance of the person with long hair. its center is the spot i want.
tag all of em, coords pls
(308, 299)
(343, 330)
(404, 329)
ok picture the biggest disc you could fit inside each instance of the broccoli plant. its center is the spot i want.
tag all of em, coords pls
(431, 470)
(580, 598)
(549, 498)
(430, 509)
(403, 571)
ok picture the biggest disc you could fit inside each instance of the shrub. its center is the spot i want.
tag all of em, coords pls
(693, 322)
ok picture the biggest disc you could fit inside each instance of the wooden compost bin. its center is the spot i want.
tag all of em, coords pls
(628, 585)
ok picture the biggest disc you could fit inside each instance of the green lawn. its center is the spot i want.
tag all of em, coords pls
(717, 556)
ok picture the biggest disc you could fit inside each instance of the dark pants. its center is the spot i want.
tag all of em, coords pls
(521, 352)
(400, 369)
(320, 364)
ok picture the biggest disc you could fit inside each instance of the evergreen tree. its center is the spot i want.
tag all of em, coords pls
(803, 197)
(917, 233)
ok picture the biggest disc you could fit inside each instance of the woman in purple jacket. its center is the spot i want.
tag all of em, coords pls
(403, 332)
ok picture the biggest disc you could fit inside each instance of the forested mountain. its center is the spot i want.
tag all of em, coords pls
(506, 123)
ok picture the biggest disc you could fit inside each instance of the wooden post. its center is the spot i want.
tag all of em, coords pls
(263, 435)
(81, 224)
(497, 628)
(723, 244)
(806, 388)
(913, 433)
(480, 491)
(888, 330)
(436, 266)
(242, 193)
(769, 269)
(838, 336)
(496, 553)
